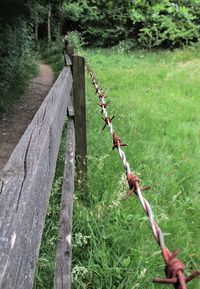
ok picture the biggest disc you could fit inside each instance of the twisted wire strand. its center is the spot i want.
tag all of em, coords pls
(145, 204)
(174, 267)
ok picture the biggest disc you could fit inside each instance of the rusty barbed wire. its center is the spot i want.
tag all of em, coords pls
(174, 268)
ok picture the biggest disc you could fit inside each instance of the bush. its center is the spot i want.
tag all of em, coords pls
(126, 46)
(102, 23)
(53, 55)
(164, 24)
(17, 64)
(76, 41)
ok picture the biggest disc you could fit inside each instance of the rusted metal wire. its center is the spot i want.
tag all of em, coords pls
(174, 269)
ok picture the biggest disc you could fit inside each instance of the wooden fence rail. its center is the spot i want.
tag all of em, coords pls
(26, 181)
(62, 276)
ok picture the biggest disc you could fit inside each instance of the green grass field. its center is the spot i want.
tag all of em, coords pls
(155, 98)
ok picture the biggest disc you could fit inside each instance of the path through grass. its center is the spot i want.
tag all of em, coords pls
(156, 102)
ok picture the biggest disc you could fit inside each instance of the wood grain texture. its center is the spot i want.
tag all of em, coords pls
(80, 116)
(70, 108)
(62, 277)
(67, 59)
(24, 188)
(69, 51)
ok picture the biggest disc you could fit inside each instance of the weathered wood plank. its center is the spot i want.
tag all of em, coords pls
(80, 117)
(25, 189)
(62, 277)
(69, 50)
(70, 108)
(67, 59)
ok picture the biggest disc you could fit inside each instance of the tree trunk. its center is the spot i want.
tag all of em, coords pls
(49, 25)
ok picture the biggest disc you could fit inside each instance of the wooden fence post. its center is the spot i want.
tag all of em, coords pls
(78, 71)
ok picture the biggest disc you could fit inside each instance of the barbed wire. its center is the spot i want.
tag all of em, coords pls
(174, 269)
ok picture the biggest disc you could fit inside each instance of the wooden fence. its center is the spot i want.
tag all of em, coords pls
(26, 181)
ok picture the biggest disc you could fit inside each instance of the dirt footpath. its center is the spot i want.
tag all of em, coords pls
(14, 123)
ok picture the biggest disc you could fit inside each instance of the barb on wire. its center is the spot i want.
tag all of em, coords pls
(103, 106)
(107, 120)
(117, 142)
(174, 271)
(174, 267)
(134, 182)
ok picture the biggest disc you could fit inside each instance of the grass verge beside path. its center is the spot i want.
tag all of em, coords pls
(155, 100)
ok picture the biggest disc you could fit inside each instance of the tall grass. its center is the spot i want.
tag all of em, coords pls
(155, 100)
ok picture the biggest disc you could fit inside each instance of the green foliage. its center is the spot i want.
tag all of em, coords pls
(102, 23)
(164, 23)
(17, 57)
(152, 24)
(125, 46)
(53, 55)
(12, 10)
(39, 13)
(17, 64)
(71, 11)
(76, 41)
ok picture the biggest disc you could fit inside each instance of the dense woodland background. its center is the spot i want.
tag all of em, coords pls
(139, 24)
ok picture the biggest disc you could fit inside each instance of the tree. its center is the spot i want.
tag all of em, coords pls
(102, 22)
(164, 23)
(18, 20)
